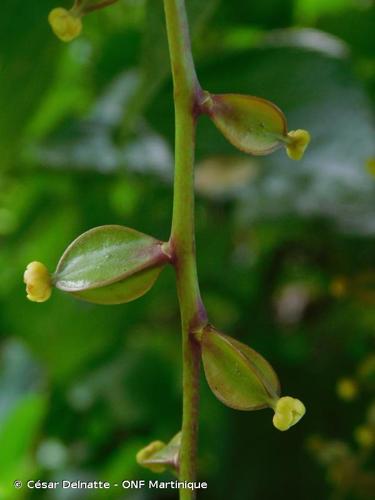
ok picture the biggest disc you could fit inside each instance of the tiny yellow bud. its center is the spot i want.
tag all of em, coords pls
(347, 389)
(38, 282)
(145, 454)
(65, 24)
(365, 436)
(288, 411)
(297, 144)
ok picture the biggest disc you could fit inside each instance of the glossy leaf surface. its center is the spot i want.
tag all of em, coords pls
(106, 255)
(252, 124)
(238, 376)
(122, 291)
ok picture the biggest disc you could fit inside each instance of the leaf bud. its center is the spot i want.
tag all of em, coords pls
(145, 455)
(158, 456)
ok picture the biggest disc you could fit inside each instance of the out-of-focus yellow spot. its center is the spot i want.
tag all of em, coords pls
(370, 166)
(347, 389)
(145, 455)
(66, 25)
(288, 411)
(218, 176)
(365, 436)
(339, 287)
(297, 144)
(38, 282)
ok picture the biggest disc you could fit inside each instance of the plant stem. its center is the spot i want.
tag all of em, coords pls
(98, 6)
(193, 315)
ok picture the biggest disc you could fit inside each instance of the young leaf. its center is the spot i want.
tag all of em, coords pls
(252, 124)
(237, 375)
(110, 265)
(158, 456)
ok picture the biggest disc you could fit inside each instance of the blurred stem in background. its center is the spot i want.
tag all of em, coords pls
(182, 241)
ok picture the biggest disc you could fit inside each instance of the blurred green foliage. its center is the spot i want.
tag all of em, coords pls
(286, 251)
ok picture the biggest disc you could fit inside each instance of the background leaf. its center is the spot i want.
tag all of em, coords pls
(23, 79)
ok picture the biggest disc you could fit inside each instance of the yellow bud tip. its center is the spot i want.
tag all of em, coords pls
(145, 455)
(347, 389)
(38, 282)
(297, 143)
(288, 411)
(65, 24)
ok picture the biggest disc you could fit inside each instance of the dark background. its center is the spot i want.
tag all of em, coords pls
(285, 249)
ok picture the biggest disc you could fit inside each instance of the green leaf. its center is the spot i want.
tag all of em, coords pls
(238, 376)
(252, 124)
(124, 291)
(105, 255)
(110, 265)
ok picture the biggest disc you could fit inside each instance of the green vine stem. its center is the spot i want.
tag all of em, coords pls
(99, 5)
(182, 241)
